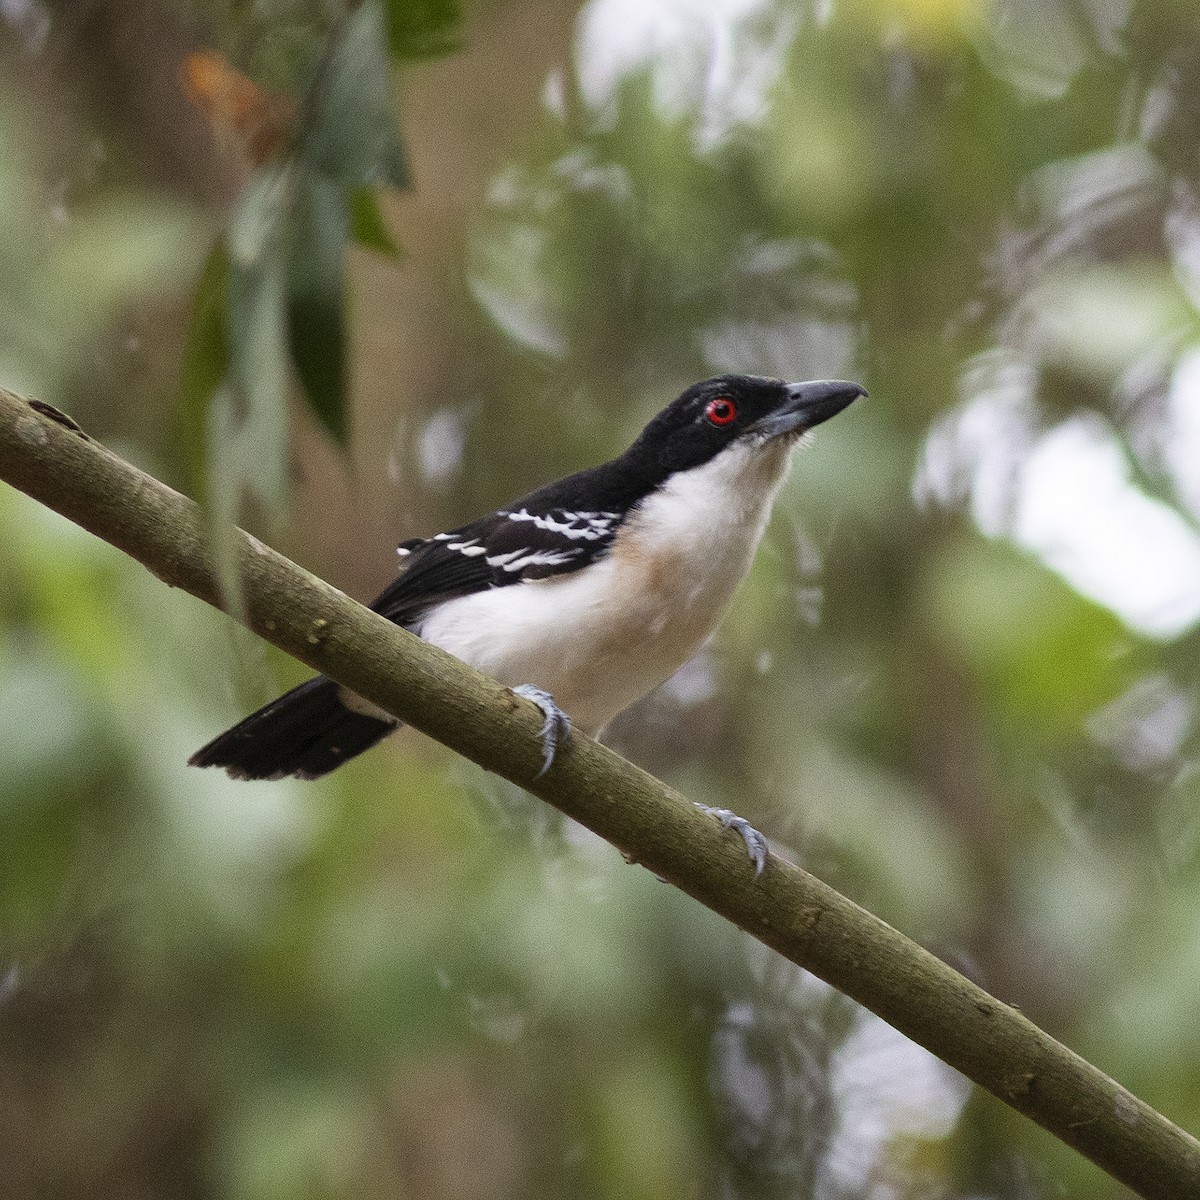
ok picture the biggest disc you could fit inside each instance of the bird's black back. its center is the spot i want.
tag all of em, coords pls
(570, 523)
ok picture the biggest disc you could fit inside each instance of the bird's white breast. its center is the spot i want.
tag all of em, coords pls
(601, 638)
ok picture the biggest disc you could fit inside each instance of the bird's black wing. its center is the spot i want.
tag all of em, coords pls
(498, 550)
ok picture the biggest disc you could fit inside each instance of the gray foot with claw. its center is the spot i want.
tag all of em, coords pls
(756, 844)
(556, 728)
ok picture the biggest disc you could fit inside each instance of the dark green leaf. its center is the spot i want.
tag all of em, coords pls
(423, 28)
(367, 226)
(315, 286)
(352, 136)
(205, 359)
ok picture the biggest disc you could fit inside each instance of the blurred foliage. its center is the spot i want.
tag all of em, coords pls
(277, 286)
(961, 684)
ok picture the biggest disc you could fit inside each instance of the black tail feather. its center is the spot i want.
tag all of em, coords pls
(307, 732)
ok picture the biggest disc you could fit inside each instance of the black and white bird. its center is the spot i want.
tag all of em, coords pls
(583, 595)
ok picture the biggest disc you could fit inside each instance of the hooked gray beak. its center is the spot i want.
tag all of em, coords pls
(807, 404)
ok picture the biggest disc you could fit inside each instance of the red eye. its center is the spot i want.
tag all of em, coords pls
(721, 411)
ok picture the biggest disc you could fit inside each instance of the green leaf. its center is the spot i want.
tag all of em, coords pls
(257, 335)
(352, 136)
(226, 478)
(247, 416)
(205, 361)
(1044, 657)
(423, 28)
(367, 226)
(315, 290)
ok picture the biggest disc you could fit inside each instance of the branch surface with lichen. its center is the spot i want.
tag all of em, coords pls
(46, 455)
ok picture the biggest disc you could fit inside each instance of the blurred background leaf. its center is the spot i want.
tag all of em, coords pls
(367, 224)
(352, 137)
(423, 28)
(961, 683)
(315, 287)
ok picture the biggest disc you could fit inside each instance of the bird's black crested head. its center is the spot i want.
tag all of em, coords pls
(716, 413)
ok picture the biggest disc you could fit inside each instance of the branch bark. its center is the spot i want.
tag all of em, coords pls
(44, 454)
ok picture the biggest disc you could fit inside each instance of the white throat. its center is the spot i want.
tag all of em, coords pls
(710, 519)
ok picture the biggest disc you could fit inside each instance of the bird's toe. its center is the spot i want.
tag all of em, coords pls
(556, 727)
(756, 844)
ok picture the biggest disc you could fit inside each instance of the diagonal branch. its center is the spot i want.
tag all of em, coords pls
(43, 453)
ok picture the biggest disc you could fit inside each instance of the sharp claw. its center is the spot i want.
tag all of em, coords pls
(555, 728)
(756, 844)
